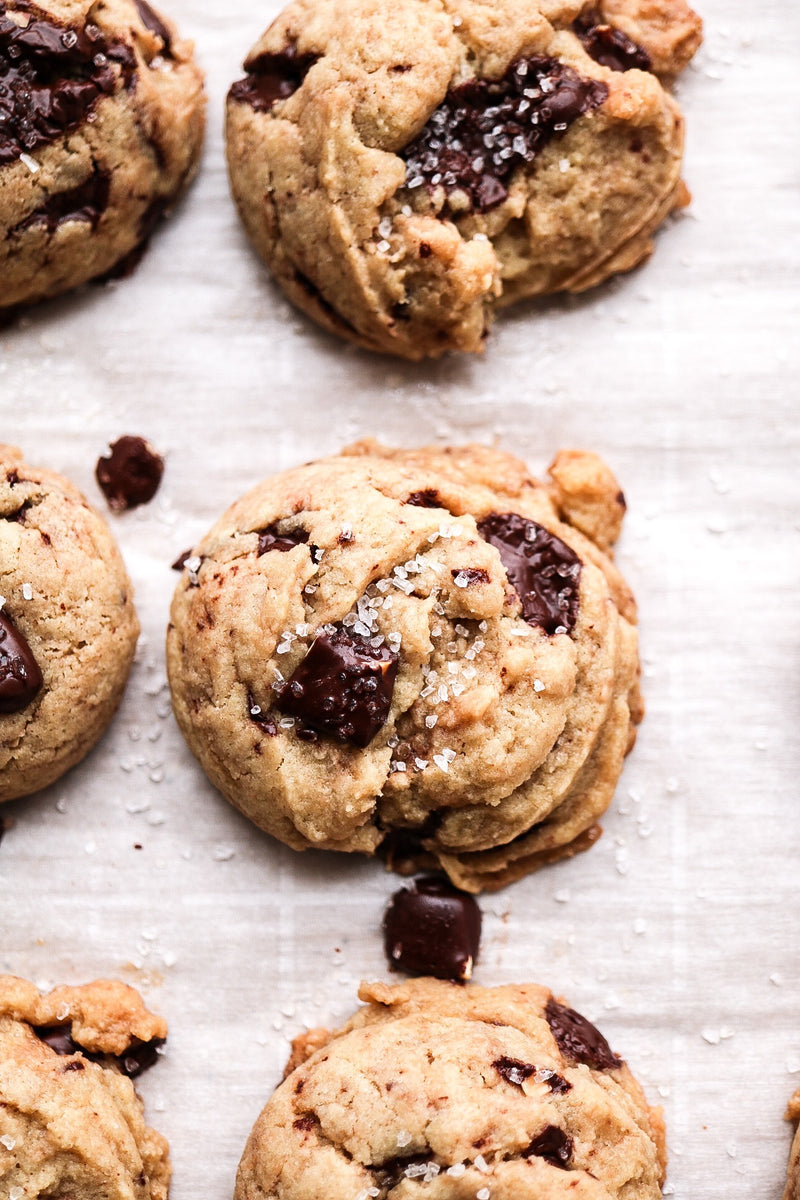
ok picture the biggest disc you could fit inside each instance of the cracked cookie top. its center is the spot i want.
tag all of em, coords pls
(71, 1123)
(405, 170)
(427, 653)
(101, 121)
(68, 627)
(470, 1091)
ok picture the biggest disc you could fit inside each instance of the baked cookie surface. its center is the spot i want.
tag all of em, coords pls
(455, 1092)
(424, 652)
(406, 169)
(71, 1123)
(68, 627)
(101, 126)
(792, 1191)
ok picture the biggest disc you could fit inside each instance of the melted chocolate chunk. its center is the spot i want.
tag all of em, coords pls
(515, 1071)
(429, 498)
(578, 1040)
(152, 21)
(139, 1056)
(542, 569)
(272, 539)
(131, 474)
(431, 928)
(20, 677)
(485, 129)
(343, 688)
(51, 76)
(262, 719)
(553, 1145)
(86, 202)
(272, 77)
(609, 46)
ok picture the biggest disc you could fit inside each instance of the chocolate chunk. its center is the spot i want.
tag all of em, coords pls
(181, 560)
(272, 539)
(553, 1145)
(131, 474)
(139, 1056)
(51, 76)
(152, 21)
(59, 1039)
(86, 202)
(262, 719)
(272, 77)
(542, 569)
(577, 1038)
(429, 498)
(20, 677)
(469, 576)
(343, 687)
(609, 46)
(515, 1071)
(431, 928)
(485, 129)
(305, 1124)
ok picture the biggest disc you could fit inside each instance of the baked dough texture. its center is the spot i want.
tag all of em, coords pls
(71, 1123)
(792, 1191)
(88, 169)
(406, 169)
(67, 594)
(362, 657)
(440, 1091)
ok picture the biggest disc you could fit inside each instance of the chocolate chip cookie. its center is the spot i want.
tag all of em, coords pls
(424, 652)
(68, 627)
(406, 169)
(472, 1092)
(101, 125)
(71, 1123)
(792, 1191)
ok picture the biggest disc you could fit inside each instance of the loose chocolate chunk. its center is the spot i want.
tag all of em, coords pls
(153, 22)
(272, 539)
(431, 928)
(578, 1040)
(553, 1145)
(610, 46)
(542, 569)
(139, 1056)
(485, 129)
(343, 687)
(20, 677)
(86, 202)
(51, 76)
(469, 576)
(272, 77)
(429, 498)
(131, 474)
(263, 720)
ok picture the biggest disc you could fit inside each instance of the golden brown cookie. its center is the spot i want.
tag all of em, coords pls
(427, 653)
(101, 126)
(71, 1123)
(455, 1093)
(407, 169)
(68, 627)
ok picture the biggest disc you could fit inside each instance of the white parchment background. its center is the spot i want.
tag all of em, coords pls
(678, 932)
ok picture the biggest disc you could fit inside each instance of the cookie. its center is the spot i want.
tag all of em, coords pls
(71, 1123)
(68, 627)
(456, 1092)
(407, 169)
(101, 126)
(424, 652)
(792, 1191)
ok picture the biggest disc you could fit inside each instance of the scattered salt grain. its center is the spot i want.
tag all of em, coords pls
(27, 591)
(482, 1166)
(538, 686)
(441, 763)
(483, 1194)
(431, 721)
(457, 1170)
(403, 1138)
(8, 1141)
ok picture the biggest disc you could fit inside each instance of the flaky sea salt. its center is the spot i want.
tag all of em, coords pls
(403, 1138)
(8, 1141)
(457, 1170)
(27, 591)
(31, 163)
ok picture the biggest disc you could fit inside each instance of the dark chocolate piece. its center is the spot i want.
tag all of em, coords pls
(553, 1145)
(59, 1039)
(609, 46)
(262, 719)
(469, 576)
(272, 539)
(487, 128)
(343, 687)
(515, 1071)
(181, 560)
(578, 1040)
(153, 22)
(428, 498)
(20, 677)
(139, 1056)
(542, 569)
(51, 76)
(131, 474)
(432, 928)
(272, 77)
(86, 202)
